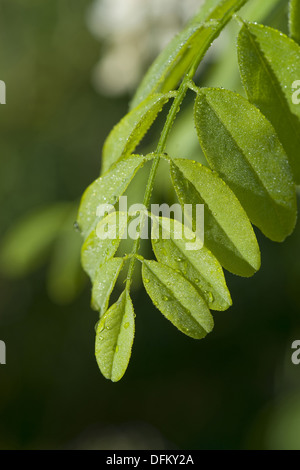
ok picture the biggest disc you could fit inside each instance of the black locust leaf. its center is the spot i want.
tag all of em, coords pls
(177, 299)
(243, 147)
(228, 233)
(270, 66)
(114, 338)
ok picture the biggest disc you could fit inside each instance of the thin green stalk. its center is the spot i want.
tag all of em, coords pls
(185, 85)
(159, 150)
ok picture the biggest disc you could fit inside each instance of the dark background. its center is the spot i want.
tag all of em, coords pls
(236, 389)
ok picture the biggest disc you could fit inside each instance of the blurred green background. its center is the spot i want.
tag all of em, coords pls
(237, 389)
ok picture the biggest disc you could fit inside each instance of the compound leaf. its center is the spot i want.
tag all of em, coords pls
(191, 44)
(114, 338)
(242, 146)
(104, 282)
(127, 134)
(177, 299)
(173, 247)
(270, 64)
(294, 20)
(228, 231)
(106, 190)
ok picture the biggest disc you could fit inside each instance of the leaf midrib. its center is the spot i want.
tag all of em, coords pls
(187, 311)
(236, 251)
(248, 163)
(190, 260)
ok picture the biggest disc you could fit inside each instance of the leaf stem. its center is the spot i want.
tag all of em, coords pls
(183, 88)
(159, 150)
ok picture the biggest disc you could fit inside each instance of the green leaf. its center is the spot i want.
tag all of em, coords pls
(199, 266)
(65, 278)
(28, 241)
(127, 134)
(177, 299)
(114, 338)
(242, 146)
(104, 282)
(96, 249)
(228, 231)
(107, 189)
(191, 44)
(269, 65)
(294, 20)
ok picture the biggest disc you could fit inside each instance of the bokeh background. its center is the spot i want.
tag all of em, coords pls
(70, 69)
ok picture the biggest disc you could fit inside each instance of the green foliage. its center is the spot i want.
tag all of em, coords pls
(107, 189)
(97, 250)
(126, 135)
(249, 158)
(252, 164)
(114, 338)
(228, 232)
(200, 266)
(269, 64)
(105, 280)
(294, 22)
(27, 243)
(187, 48)
(177, 299)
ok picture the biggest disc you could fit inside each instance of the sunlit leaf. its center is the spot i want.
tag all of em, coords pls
(228, 231)
(104, 282)
(114, 338)
(106, 190)
(242, 146)
(199, 266)
(191, 44)
(294, 20)
(103, 242)
(177, 299)
(127, 134)
(269, 65)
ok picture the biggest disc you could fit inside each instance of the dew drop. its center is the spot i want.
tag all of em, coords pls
(126, 325)
(76, 226)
